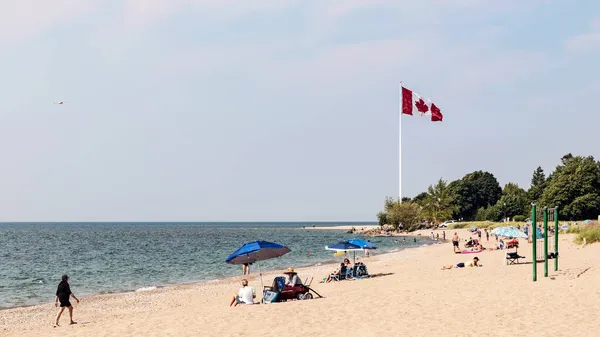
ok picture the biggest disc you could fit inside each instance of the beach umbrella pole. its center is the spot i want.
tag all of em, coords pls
(262, 287)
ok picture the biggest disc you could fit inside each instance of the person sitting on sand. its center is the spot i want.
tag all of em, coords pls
(64, 294)
(293, 279)
(471, 263)
(245, 295)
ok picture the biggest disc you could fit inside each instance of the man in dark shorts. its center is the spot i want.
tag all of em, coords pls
(455, 240)
(63, 294)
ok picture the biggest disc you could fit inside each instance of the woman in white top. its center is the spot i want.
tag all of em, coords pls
(245, 295)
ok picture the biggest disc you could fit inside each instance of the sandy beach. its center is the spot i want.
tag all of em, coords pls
(345, 228)
(412, 296)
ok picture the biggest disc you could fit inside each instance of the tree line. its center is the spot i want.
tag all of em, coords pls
(574, 187)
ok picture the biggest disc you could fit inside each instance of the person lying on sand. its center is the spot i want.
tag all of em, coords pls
(245, 295)
(64, 294)
(472, 263)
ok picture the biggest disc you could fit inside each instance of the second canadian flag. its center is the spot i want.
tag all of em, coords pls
(412, 102)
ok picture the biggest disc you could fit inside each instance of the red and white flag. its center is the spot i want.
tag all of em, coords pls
(413, 102)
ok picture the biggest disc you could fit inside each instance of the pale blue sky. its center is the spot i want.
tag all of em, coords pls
(206, 110)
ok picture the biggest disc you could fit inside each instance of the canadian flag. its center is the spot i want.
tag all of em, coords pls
(412, 101)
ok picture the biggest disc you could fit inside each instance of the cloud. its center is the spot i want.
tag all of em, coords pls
(141, 13)
(585, 42)
(21, 19)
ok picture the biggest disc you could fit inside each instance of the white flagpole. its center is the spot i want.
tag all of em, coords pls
(400, 143)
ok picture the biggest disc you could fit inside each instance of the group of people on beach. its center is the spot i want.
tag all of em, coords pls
(247, 294)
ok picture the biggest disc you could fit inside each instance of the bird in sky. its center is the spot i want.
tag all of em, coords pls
(59, 102)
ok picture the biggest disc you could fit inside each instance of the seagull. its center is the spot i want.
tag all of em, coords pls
(60, 102)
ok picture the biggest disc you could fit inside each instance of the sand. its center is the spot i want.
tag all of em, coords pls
(412, 297)
(359, 228)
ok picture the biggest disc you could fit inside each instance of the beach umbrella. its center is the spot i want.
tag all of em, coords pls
(509, 232)
(363, 243)
(257, 251)
(344, 246)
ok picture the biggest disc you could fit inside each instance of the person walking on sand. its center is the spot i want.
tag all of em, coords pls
(487, 235)
(63, 295)
(444, 235)
(246, 269)
(455, 240)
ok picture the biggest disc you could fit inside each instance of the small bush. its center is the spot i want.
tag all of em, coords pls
(519, 218)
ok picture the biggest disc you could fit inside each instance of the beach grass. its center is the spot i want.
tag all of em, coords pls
(480, 224)
(589, 232)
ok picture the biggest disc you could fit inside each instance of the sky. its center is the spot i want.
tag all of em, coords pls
(236, 110)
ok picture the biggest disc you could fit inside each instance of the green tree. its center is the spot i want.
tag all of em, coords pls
(382, 218)
(438, 205)
(575, 187)
(485, 187)
(420, 197)
(405, 215)
(464, 199)
(513, 202)
(538, 184)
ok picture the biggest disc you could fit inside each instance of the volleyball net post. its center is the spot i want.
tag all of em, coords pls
(543, 232)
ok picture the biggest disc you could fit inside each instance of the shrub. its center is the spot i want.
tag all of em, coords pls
(519, 218)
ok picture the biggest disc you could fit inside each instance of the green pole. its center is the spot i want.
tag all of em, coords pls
(533, 241)
(545, 242)
(555, 238)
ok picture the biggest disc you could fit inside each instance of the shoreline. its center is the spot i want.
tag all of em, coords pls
(227, 280)
(408, 282)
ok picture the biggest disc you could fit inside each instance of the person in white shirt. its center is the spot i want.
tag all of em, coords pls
(245, 295)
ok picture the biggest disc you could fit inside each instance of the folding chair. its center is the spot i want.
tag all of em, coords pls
(513, 258)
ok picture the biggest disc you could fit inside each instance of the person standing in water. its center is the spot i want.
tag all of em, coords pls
(63, 295)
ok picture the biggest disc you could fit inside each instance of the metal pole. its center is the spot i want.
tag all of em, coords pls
(545, 242)
(555, 238)
(400, 145)
(533, 241)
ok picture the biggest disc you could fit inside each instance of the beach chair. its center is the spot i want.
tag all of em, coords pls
(360, 270)
(341, 275)
(271, 293)
(513, 258)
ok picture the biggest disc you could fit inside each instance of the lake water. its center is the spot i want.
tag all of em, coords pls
(117, 257)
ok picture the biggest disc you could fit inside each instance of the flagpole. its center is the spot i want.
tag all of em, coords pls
(400, 142)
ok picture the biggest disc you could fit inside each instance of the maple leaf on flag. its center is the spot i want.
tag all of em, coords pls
(421, 106)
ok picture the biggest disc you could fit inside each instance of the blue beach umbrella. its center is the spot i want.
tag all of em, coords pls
(509, 232)
(257, 251)
(363, 243)
(344, 246)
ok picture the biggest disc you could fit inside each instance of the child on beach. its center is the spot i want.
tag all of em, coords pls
(472, 263)
(64, 294)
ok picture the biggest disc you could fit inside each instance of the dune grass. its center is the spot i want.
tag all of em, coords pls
(591, 232)
(482, 224)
